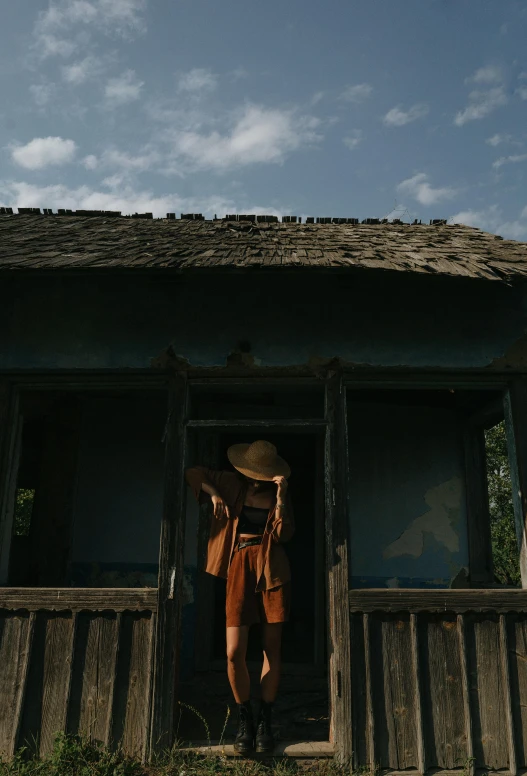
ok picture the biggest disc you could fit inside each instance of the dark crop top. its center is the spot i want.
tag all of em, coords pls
(252, 520)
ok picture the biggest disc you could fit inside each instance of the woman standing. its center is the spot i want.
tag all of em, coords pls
(252, 518)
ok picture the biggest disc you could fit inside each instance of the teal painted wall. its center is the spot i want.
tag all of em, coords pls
(408, 522)
(384, 319)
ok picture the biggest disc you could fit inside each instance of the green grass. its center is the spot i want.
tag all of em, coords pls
(76, 756)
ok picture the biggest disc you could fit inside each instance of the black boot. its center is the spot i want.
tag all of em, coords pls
(264, 733)
(244, 741)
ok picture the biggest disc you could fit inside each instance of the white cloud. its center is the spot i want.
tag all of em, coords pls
(353, 139)
(126, 199)
(83, 70)
(197, 80)
(42, 93)
(521, 91)
(481, 103)
(357, 93)
(491, 219)
(43, 152)
(56, 28)
(127, 163)
(396, 117)
(497, 139)
(491, 74)
(514, 159)
(90, 162)
(420, 189)
(256, 135)
(125, 88)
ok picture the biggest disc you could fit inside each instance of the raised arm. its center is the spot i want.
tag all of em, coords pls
(282, 525)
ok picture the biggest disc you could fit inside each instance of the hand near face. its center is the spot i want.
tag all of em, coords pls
(281, 487)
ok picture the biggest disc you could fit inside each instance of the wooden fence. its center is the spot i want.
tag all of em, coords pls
(76, 661)
(439, 679)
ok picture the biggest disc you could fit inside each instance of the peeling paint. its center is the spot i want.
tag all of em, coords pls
(444, 502)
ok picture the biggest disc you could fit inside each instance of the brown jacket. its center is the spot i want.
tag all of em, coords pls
(272, 564)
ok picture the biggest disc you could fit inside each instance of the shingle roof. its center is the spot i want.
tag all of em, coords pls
(37, 242)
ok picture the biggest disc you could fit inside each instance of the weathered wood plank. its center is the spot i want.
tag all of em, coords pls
(359, 690)
(78, 599)
(465, 686)
(504, 655)
(443, 704)
(45, 706)
(371, 758)
(16, 635)
(133, 685)
(518, 682)
(394, 692)
(336, 505)
(414, 633)
(399, 600)
(90, 708)
(171, 558)
(477, 500)
(487, 693)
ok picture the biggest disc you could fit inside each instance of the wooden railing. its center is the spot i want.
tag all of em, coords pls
(439, 679)
(76, 660)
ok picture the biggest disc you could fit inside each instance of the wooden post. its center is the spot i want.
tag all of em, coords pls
(10, 437)
(171, 556)
(477, 499)
(516, 425)
(336, 496)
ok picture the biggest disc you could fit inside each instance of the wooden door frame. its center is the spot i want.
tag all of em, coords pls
(334, 429)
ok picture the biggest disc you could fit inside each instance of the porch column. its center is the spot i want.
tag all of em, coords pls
(167, 646)
(516, 425)
(336, 483)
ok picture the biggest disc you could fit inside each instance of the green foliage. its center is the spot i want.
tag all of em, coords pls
(23, 511)
(503, 534)
(76, 756)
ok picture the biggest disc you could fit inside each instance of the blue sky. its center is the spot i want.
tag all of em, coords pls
(357, 108)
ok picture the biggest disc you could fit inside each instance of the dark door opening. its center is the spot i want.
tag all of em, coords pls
(302, 704)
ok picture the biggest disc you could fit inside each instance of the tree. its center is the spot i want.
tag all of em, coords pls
(502, 527)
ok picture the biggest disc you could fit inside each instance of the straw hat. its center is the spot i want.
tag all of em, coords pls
(258, 460)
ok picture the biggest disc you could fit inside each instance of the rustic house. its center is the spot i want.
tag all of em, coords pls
(375, 355)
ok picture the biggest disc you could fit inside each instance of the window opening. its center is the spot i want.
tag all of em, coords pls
(505, 551)
(87, 507)
(419, 513)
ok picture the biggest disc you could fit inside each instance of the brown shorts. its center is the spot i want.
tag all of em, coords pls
(245, 606)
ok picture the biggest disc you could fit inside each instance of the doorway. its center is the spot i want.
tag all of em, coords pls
(302, 704)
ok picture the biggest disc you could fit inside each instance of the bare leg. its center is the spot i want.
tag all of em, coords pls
(237, 638)
(272, 646)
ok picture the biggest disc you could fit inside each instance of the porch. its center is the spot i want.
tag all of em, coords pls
(415, 679)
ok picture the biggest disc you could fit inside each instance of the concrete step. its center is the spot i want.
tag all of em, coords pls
(297, 749)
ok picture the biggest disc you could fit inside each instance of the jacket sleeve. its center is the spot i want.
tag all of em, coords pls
(282, 529)
(222, 481)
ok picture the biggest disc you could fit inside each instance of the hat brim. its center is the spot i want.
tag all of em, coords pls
(237, 456)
